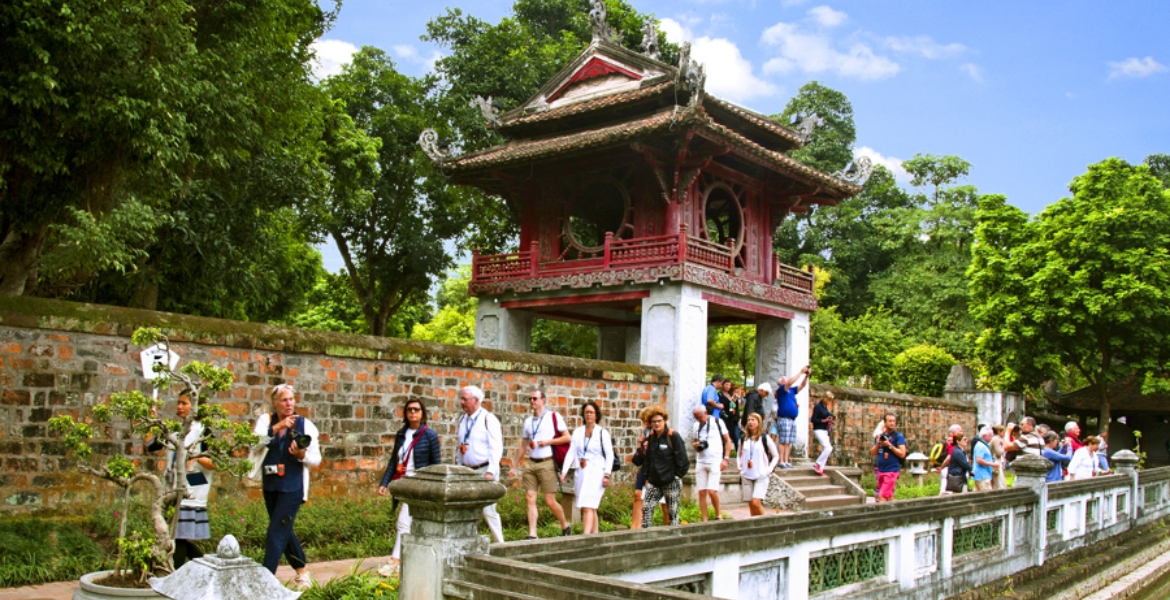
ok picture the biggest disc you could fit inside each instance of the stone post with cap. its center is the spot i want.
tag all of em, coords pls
(1125, 462)
(1032, 472)
(446, 503)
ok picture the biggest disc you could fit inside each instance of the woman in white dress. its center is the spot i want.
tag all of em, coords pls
(1084, 462)
(758, 456)
(591, 454)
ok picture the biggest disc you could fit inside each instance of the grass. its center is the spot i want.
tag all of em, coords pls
(354, 586)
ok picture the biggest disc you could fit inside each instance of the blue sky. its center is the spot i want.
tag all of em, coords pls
(1029, 92)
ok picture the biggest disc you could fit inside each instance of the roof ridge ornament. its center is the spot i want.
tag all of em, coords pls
(805, 124)
(650, 40)
(691, 75)
(436, 149)
(489, 109)
(601, 29)
(856, 172)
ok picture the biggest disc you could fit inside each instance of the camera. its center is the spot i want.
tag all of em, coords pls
(303, 440)
(277, 470)
(703, 445)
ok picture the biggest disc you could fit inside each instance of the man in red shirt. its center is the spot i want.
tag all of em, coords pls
(1073, 432)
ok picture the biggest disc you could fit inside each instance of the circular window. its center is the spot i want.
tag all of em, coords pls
(600, 207)
(723, 217)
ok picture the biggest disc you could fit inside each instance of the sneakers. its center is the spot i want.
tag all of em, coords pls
(567, 531)
(820, 471)
(301, 582)
(786, 466)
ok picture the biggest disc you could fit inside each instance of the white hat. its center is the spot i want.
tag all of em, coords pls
(764, 387)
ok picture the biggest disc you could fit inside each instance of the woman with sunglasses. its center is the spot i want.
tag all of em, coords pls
(415, 446)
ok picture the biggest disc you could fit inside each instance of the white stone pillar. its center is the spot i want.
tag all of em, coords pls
(501, 328)
(782, 349)
(611, 343)
(674, 337)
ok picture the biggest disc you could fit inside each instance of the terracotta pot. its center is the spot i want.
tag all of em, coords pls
(92, 591)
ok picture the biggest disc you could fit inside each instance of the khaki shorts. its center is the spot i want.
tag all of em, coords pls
(983, 486)
(540, 476)
(707, 476)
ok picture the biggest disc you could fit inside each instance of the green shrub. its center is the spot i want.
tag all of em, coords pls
(35, 550)
(922, 370)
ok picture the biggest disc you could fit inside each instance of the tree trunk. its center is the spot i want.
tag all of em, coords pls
(1103, 421)
(19, 252)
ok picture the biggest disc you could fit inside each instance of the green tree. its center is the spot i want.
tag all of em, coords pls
(1160, 167)
(389, 210)
(331, 305)
(830, 148)
(922, 370)
(925, 287)
(454, 323)
(857, 351)
(560, 338)
(1084, 284)
(731, 351)
(194, 108)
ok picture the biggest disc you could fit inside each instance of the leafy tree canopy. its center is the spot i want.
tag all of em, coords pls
(1083, 284)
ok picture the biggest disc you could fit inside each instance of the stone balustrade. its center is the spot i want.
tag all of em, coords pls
(923, 548)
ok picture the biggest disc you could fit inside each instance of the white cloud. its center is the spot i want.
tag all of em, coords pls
(973, 71)
(815, 53)
(330, 56)
(924, 45)
(729, 74)
(827, 17)
(410, 54)
(675, 32)
(889, 162)
(1134, 67)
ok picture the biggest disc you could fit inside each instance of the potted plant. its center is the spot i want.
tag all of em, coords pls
(143, 554)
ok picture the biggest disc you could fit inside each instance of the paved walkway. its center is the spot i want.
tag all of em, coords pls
(322, 571)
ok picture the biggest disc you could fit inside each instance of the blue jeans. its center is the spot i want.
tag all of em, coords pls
(282, 513)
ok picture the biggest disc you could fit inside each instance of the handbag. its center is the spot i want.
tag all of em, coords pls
(956, 483)
(400, 472)
(561, 451)
(617, 462)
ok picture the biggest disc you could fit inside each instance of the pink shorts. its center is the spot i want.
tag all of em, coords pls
(885, 484)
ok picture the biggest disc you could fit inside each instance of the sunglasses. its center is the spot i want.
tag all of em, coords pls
(414, 409)
(533, 398)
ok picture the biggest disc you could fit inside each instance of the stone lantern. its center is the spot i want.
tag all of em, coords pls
(917, 463)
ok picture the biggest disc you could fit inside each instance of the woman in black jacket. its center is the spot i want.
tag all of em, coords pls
(664, 462)
(415, 446)
(958, 468)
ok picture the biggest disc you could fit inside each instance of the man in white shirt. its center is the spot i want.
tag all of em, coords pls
(712, 443)
(481, 445)
(540, 474)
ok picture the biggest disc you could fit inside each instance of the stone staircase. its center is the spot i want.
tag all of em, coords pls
(823, 493)
(805, 489)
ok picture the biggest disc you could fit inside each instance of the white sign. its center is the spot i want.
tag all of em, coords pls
(156, 355)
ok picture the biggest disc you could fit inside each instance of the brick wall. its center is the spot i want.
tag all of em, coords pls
(923, 421)
(59, 357)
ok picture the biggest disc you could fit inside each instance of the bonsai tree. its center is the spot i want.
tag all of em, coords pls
(221, 441)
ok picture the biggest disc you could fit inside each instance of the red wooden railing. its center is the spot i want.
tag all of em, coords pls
(671, 249)
(791, 277)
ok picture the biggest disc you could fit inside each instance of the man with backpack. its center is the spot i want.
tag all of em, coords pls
(665, 462)
(889, 448)
(712, 446)
(543, 430)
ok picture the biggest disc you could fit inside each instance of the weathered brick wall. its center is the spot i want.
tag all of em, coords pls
(59, 357)
(922, 420)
